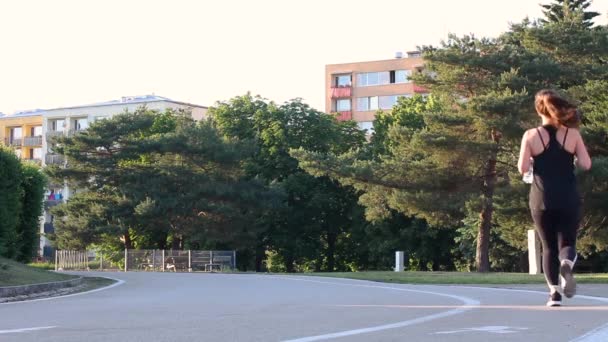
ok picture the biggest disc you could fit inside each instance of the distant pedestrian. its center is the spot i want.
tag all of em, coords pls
(555, 148)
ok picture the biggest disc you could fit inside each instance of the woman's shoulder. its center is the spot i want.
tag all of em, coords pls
(531, 132)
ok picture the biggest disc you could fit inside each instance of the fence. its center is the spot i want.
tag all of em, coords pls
(147, 260)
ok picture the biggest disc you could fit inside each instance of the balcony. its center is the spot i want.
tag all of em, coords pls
(341, 91)
(49, 228)
(32, 141)
(54, 159)
(344, 115)
(420, 90)
(49, 203)
(13, 142)
(35, 161)
(75, 132)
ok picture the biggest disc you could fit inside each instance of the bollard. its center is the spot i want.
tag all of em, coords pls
(399, 262)
(533, 252)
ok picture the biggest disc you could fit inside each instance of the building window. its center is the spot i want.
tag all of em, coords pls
(58, 125)
(343, 105)
(367, 103)
(81, 124)
(388, 102)
(343, 81)
(15, 133)
(36, 153)
(402, 76)
(366, 79)
(366, 126)
(36, 131)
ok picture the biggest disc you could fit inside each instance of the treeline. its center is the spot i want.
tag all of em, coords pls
(21, 201)
(292, 189)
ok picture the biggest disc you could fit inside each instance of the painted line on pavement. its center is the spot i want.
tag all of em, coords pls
(469, 304)
(508, 307)
(599, 299)
(14, 331)
(599, 334)
(118, 283)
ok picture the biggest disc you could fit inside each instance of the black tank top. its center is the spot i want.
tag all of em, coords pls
(554, 185)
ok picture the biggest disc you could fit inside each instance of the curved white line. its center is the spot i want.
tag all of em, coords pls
(469, 304)
(118, 283)
(599, 334)
(13, 331)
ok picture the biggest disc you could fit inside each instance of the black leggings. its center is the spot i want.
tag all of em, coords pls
(557, 232)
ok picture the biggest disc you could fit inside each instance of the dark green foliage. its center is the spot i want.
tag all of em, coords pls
(33, 184)
(155, 180)
(11, 195)
(559, 10)
(316, 213)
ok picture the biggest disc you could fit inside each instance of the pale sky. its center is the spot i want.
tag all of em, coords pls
(64, 53)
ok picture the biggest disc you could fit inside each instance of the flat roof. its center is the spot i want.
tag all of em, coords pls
(132, 100)
(125, 100)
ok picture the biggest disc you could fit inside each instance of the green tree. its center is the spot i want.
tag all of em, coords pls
(32, 184)
(306, 231)
(151, 179)
(559, 10)
(11, 194)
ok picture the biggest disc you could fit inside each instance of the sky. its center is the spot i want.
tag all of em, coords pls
(70, 52)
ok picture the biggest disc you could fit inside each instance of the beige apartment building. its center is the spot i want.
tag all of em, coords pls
(356, 91)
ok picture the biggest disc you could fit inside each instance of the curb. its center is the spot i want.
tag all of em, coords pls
(21, 290)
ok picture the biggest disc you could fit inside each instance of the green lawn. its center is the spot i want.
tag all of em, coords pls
(14, 273)
(457, 277)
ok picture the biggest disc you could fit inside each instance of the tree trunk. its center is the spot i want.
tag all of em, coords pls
(127, 237)
(176, 242)
(331, 251)
(482, 256)
(260, 255)
(289, 267)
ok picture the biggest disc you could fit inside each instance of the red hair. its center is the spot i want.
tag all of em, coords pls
(550, 104)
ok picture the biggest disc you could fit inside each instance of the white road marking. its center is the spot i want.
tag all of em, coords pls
(469, 304)
(118, 282)
(493, 329)
(599, 299)
(14, 331)
(597, 335)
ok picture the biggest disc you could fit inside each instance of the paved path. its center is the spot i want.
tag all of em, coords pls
(242, 307)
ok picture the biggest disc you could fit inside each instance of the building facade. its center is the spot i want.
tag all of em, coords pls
(70, 120)
(22, 131)
(356, 91)
(29, 133)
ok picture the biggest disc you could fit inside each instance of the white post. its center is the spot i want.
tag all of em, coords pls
(533, 252)
(56, 260)
(189, 261)
(101, 261)
(233, 260)
(126, 259)
(163, 256)
(399, 262)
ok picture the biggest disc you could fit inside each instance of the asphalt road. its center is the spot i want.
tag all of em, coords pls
(248, 307)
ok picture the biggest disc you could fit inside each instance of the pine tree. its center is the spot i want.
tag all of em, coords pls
(562, 9)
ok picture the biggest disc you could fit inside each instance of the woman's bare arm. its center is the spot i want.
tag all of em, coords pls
(524, 155)
(583, 160)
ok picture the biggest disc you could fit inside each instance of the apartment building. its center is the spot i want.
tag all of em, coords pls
(356, 91)
(23, 132)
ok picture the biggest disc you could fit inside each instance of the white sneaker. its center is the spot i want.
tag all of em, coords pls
(567, 281)
(555, 299)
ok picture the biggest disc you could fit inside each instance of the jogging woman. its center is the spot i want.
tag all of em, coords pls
(555, 203)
